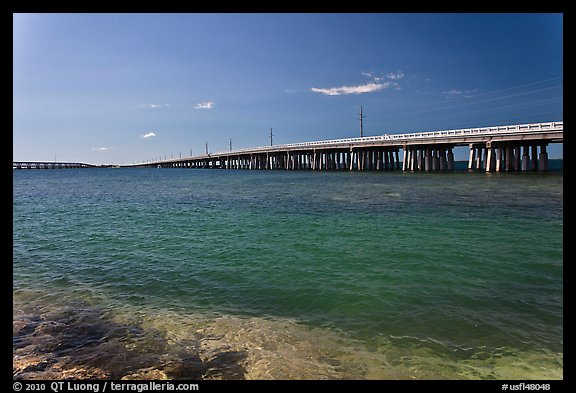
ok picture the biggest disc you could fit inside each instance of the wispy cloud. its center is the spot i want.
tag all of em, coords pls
(452, 93)
(148, 135)
(155, 106)
(459, 93)
(360, 89)
(395, 76)
(205, 105)
(390, 76)
(100, 148)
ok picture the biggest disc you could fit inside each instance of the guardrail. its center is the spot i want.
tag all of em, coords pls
(518, 128)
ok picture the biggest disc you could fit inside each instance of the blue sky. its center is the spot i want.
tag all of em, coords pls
(123, 88)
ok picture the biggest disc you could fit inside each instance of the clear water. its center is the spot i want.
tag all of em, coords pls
(277, 274)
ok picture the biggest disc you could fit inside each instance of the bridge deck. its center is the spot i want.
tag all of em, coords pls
(427, 150)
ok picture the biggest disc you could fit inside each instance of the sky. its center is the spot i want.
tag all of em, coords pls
(128, 88)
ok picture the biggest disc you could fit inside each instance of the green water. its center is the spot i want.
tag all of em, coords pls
(299, 274)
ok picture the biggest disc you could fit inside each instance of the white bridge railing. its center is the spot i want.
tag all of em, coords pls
(517, 129)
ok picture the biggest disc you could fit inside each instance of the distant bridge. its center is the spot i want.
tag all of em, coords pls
(497, 148)
(49, 165)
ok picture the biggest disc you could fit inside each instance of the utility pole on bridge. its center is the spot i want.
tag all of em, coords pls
(362, 117)
(270, 136)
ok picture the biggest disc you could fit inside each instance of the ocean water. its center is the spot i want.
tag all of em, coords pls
(214, 274)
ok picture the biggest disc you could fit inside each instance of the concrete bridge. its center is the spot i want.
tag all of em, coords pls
(520, 147)
(49, 165)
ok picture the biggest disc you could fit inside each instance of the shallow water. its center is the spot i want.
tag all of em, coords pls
(213, 274)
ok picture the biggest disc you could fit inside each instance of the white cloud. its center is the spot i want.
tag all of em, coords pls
(156, 106)
(452, 92)
(100, 148)
(360, 89)
(148, 134)
(395, 76)
(368, 74)
(205, 105)
(460, 93)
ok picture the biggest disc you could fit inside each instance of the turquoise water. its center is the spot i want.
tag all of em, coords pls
(281, 274)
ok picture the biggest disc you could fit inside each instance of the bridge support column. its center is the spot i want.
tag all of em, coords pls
(517, 158)
(405, 158)
(471, 158)
(422, 162)
(386, 157)
(489, 157)
(369, 160)
(525, 159)
(543, 158)
(479, 158)
(499, 159)
(412, 158)
(534, 162)
(351, 162)
(428, 159)
(435, 159)
(349, 159)
(442, 159)
(450, 159)
(314, 160)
